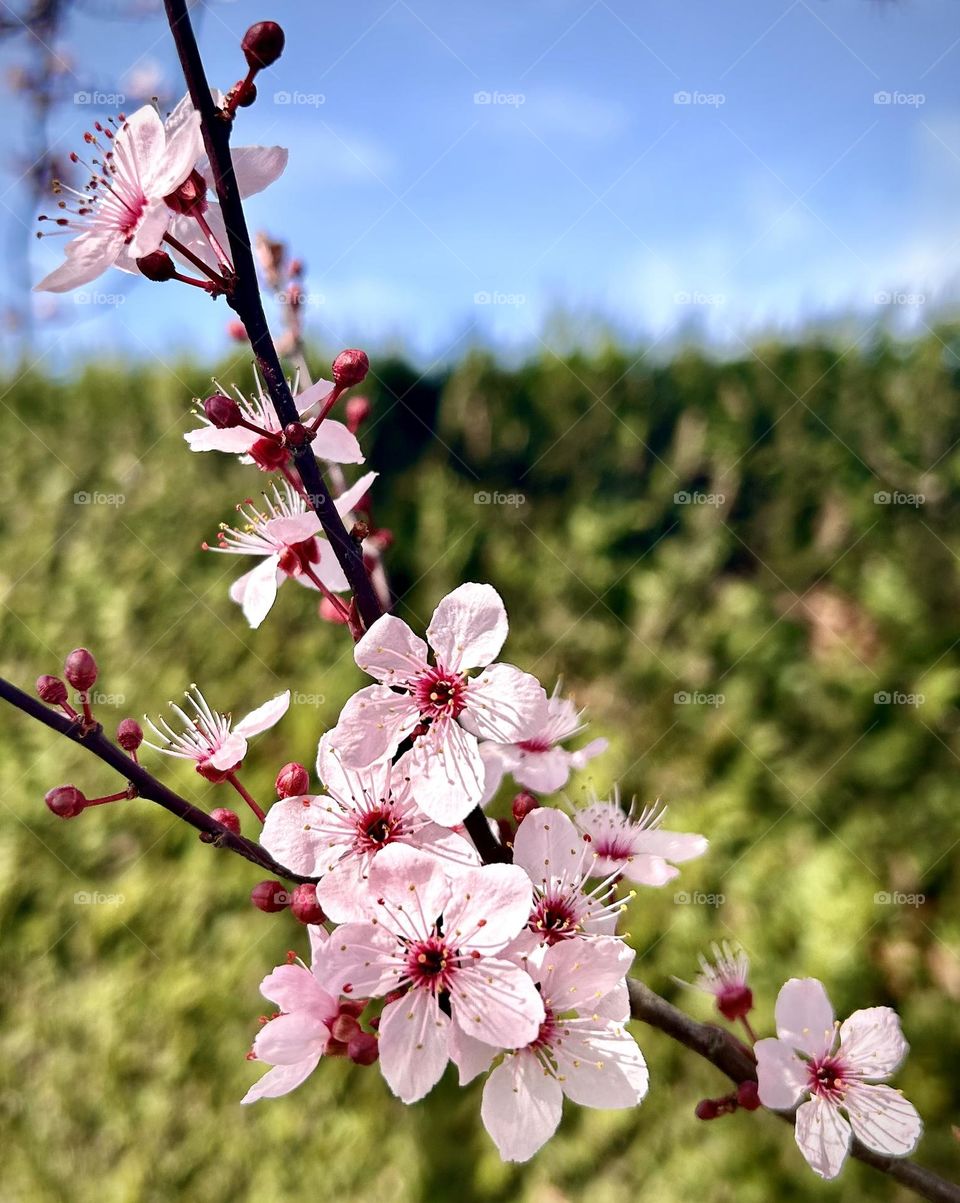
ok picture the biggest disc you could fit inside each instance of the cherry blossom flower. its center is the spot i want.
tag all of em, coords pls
(333, 443)
(121, 214)
(211, 739)
(558, 860)
(582, 1050)
(295, 1040)
(431, 934)
(446, 711)
(540, 762)
(638, 848)
(288, 537)
(725, 977)
(337, 835)
(836, 1067)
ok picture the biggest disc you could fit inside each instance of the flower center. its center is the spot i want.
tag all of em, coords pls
(613, 847)
(827, 1078)
(535, 745)
(555, 918)
(429, 964)
(378, 827)
(440, 694)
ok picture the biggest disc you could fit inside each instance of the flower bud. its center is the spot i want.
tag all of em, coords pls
(735, 1002)
(237, 331)
(228, 818)
(129, 734)
(296, 434)
(292, 780)
(357, 411)
(329, 612)
(269, 454)
(269, 896)
(707, 1109)
(80, 669)
(262, 44)
(244, 94)
(350, 367)
(51, 690)
(190, 198)
(303, 903)
(522, 804)
(157, 266)
(66, 801)
(748, 1096)
(222, 412)
(344, 1027)
(363, 1048)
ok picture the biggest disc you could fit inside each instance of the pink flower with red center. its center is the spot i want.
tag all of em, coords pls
(445, 710)
(288, 537)
(582, 1050)
(333, 442)
(725, 977)
(437, 938)
(337, 835)
(540, 762)
(558, 860)
(638, 848)
(837, 1068)
(121, 215)
(211, 739)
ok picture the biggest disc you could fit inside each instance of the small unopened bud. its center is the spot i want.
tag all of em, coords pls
(329, 612)
(190, 198)
(66, 801)
(269, 896)
(303, 903)
(228, 819)
(350, 368)
(129, 734)
(157, 266)
(296, 434)
(262, 44)
(222, 412)
(237, 331)
(358, 409)
(344, 1027)
(292, 780)
(360, 531)
(522, 804)
(735, 1002)
(363, 1048)
(748, 1096)
(707, 1109)
(296, 268)
(244, 94)
(51, 690)
(80, 669)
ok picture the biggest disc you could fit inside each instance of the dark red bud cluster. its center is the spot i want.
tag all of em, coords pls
(522, 805)
(227, 818)
(269, 896)
(51, 690)
(157, 266)
(262, 44)
(746, 1096)
(303, 903)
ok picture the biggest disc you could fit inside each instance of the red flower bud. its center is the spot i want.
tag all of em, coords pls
(292, 780)
(344, 1027)
(748, 1096)
(269, 454)
(350, 367)
(735, 1002)
(129, 734)
(157, 266)
(51, 690)
(303, 903)
(357, 411)
(80, 669)
(329, 612)
(707, 1109)
(237, 331)
(228, 818)
(297, 434)
(222, 412)
(262, 44)
(523, 803)
(66, 801)
(363, 1048)
(269, 896)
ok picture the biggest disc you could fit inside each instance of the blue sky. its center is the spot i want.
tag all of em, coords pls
(782, 191)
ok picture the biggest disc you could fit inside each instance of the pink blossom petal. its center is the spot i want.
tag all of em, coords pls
(448, 778)
(344, 891)
(309, 397)
(872, 1041)
(264, 716)
(643, 870)
(390, 652)
(183, 146)
(142, 140)
(548, 845)
(545, 772)
(498, 760)
(413, 1045)
(372, 724)
(781, 1075)
(294, 988)
(471, 1057)
(336, 444)
(229, 754)
(357, 960)
(236, 440)
(676, 846)
(504, 704)
(281, 1080)
(521, 1108)
(413, 880)
(349, 785)
(349, 498)
(150, 229)
(496, 1002)
(883, 1119)
(581, 756)
(490, 906)
(256, 167)
(260, 591)
(804, 1016)
(291, 1038)
(823, 1136)
(602, 1067)
(87, 256)
(293, 530)
(468, 627)
(575, 974)
(289, 835)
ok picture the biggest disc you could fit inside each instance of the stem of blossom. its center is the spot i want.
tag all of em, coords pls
(331, 597)
(748, 1028)
(254, 806)
(243, 296)
(722, 1049)
(147, 786)
(85, 707)
(222, 257)
(197, 262)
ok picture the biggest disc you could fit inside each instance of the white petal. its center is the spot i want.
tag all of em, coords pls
(548, 845)
(545, 772)
(256, 167)
(883, 1119)
(471, 1057)
(495, 1001)
(804, 1015)
(504, 704)
(289, 838)
(150, 230)
(88, 256)
(281, 1079)
(372, 724)
(344, 892)
(447, 779)
(490, 906)
(823, 1137)
(468, 627)
(781, 1075)
(235, 440)
(413, 1045)
(183, 146)
(260, 591)
(872, 1041)
(336, 444)
(264, 716)
(389, 651)
(603, 1067)
(521, 1107)
(356, 492)
(576, 974)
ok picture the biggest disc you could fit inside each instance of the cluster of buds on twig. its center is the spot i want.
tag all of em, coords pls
(262, 45)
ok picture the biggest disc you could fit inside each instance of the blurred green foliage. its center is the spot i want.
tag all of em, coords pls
(782, 596)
